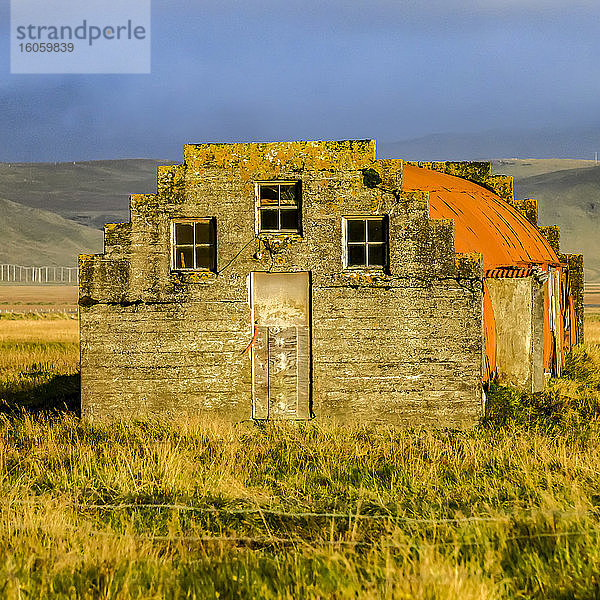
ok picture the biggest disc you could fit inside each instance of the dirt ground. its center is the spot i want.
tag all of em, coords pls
(591, 298)
(38, 298)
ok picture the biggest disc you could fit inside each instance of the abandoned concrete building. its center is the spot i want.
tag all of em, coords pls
(309, 280)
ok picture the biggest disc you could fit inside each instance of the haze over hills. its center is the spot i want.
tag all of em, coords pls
(528, 167)
(30, 236)
(540, 143)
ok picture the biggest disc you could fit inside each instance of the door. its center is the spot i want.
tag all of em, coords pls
(281, 349)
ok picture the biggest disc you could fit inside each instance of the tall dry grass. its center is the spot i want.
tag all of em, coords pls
(592, 328)
(40, 328)
(213, 510)
(39, 361)
(183, 510)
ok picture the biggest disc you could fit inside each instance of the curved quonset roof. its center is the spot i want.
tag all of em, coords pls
(483, 222)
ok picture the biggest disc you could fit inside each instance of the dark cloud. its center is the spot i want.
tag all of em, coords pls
(273, 70)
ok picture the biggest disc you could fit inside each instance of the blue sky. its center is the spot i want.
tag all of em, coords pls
(259, 70)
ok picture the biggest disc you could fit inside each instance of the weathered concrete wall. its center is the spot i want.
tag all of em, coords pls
(160, 359)
(576, 279)
(397, 354)
(538, 377)
(519, 312)
(404, 345)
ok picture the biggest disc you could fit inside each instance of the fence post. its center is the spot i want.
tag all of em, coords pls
(12, 273)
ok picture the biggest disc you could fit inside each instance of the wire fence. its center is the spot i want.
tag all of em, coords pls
(507, 516)
(10, 273)
(272, 540)
(277, 540)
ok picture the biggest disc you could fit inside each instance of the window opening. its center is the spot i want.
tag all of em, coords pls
(366, 242)
(279, 207)
(194, 245)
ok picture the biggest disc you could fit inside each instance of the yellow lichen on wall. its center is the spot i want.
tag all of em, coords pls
(172, 178)
(475, 171)
(390, 172)
(138, 201)
(501, 185)
(317, 155)
(552, 235)
(469, 263)
(530, 210)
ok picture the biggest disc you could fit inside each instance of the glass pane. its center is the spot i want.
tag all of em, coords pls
(288, 194)
(269, 194)
(205, 257)
(356, 256)
(184, 233)
(268, 219)
(289, 219)
(356, 230)
(184, 258)
(375, 230)
(376, 255)
(205, 232)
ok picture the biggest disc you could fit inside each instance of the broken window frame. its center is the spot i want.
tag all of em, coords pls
(279, 207)
(212, 268)
(366, 244)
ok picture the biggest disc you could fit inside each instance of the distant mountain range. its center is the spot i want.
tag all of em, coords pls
(542, 143)
(49, 212)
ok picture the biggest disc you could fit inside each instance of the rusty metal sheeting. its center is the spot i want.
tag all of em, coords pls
(483, 222)
(509, 272)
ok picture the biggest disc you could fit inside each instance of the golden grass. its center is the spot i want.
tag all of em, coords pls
(38, 345)
(591, 327)
(50, 329)
(39, 361)
(99, 511)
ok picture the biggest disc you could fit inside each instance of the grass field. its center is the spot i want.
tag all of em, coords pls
(591, 298)
(509, 509)
(39, 361)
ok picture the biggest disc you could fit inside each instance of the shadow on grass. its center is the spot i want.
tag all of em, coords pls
(60, 394)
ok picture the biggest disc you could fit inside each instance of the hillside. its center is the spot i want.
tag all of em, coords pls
(570, 198)
(30, 236)
(91, 193)
(568, 194)
(97, 192)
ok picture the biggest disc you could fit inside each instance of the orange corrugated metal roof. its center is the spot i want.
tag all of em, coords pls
(483, 222)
